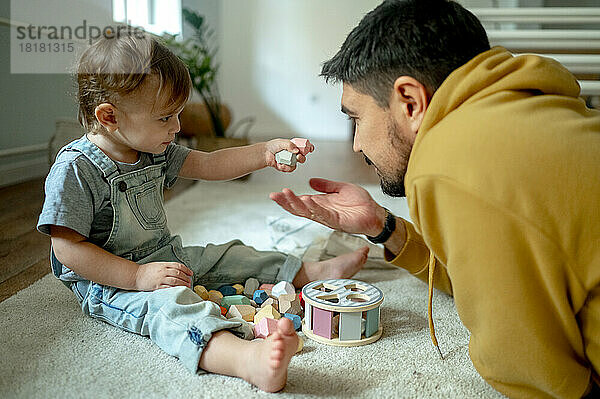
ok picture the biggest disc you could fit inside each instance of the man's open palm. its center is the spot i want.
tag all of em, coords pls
(343, 206)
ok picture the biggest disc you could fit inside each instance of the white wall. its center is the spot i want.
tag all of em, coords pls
(31, 103)
(271, 54)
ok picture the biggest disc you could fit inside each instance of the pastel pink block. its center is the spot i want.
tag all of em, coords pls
(302, 144)
(266, 287)
(322, 322)
(265, 327)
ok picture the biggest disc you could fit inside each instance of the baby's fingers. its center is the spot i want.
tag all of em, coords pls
(179, 271)
(285, 168)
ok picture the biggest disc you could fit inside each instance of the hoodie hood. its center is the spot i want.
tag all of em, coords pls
(494, 71)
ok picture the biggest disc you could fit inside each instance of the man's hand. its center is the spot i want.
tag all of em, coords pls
(276, 145)
(155, 275)
(344, 206)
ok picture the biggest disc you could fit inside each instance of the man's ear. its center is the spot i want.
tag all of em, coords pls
(409, 99)
(106, 115)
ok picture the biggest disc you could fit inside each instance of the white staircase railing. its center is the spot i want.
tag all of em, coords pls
(577, 49)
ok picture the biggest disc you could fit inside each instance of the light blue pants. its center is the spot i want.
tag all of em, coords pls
(176, 318)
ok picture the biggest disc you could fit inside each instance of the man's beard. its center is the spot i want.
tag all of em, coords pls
(393, 185)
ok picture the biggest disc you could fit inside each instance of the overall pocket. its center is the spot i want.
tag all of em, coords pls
(145, 202)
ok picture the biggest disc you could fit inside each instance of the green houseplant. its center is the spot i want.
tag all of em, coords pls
(198, 53)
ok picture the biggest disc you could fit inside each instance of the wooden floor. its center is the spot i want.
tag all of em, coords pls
(24, 252)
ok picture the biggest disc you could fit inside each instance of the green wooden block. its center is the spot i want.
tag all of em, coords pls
(227, 301)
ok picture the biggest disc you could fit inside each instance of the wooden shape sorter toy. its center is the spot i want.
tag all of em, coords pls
(355, 303)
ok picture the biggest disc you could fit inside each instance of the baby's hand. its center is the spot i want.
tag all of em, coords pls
(278, 145)
(155, 275)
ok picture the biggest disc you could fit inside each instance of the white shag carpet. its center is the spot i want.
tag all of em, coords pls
(51, 350)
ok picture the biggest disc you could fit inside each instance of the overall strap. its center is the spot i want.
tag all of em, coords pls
(95, 156)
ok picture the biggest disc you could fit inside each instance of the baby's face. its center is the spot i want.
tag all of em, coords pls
(140, 127)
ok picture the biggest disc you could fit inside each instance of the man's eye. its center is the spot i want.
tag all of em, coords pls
(165, 118)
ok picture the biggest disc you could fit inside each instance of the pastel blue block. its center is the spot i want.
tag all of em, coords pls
(227, 301)
(260, 296)
(227, 290)
(350, 326)
(372, 322)
(295, 319)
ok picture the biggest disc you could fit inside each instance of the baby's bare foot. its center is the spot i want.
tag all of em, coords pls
(267, 368)
(343, 266)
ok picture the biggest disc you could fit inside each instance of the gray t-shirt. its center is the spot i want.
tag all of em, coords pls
(78, 196)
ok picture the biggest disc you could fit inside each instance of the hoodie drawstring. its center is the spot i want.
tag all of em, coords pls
(430, 305)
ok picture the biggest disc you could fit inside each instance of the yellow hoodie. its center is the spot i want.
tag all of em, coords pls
(503, 186)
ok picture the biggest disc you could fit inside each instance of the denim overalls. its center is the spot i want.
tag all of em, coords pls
(176, 319)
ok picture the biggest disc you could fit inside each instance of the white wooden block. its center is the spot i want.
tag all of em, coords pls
(282, 287)
(286, 158)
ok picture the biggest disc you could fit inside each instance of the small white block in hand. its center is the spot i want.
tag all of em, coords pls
(286, 158)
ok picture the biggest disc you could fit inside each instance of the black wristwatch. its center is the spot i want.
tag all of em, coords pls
(388, 229)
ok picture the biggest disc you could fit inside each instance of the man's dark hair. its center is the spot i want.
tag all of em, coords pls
(425, 39)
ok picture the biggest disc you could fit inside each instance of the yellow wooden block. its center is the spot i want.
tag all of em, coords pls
(271, 302)
(239, 289)
(201, 291)
(245, 312)
(215, 296)
(287, 297)
(300, 344)
(268, 311)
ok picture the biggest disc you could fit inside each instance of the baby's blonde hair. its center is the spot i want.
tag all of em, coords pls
(115, 67)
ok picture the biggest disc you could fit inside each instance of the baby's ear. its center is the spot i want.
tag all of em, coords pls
(106, 116)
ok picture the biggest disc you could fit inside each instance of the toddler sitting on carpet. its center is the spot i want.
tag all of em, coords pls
(110, 242)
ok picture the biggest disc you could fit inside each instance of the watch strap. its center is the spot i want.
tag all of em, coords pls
(388, 229)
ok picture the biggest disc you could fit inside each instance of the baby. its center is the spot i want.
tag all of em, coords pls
(110, 242)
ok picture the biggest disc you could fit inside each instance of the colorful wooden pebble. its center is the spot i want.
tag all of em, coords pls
(245, 312)
(282, 287)
(303, 145)
(289, 303)
(265, 327)
(250, 286)
(239, 289)
(201, 291)
(227, 301)
(300, 344)
(266, 286)
(267, 311)
(227, 290)
(271, 302)
(295, 319)
(215, 296)
(260, 296)
(286, 158)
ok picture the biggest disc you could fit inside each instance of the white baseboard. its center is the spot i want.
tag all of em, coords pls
(19, 172)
